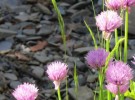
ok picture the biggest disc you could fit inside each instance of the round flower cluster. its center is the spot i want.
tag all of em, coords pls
(118, 76)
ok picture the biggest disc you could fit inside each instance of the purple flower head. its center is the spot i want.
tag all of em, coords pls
(118, 73)
(117, 4)
(57, 71)
(96, 58)
(128, 3)
(107, 22)
(26, 91)
(114, 4)
(114, 88)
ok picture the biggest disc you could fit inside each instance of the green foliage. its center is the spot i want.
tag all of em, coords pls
(61, 23)
(92, 35)
(76, 80)
(113, 51)
(131, 93)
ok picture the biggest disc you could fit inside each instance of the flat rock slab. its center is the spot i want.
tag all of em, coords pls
(5, 46)
(9, 3)
(84, 93)
(132, 21)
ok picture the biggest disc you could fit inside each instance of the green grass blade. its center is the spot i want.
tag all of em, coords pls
(113, 51)
(92, 35)
(61, 23)
(76, 80)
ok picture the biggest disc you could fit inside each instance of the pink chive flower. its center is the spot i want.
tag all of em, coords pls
(118, 73)
(114, 4)
(26, 91)
(114, 88)
(97, 58)
(107, 22)
(57, 71)
(128, 3)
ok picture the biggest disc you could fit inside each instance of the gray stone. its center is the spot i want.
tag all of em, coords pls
(6, 33)
(5, 46)
(80, 65)
(83, 49)
(22, 16)
(3, 97)
(9, 3)
(44, 9)
(29, 31)
(10, 76)
(82, 80)
(21, 8)
(131, 53)
(84, 93)
(92, 78)
(38, 71)
(45, 30)
(42, 57)
(132, 21)
(14, 84)
(132, 44)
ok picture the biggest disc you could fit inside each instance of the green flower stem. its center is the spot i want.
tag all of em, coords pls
(59, 96)
(120, 52)
(103, 5)
(126, 36)
(122, 97)
(101, 95)
(109, 97)
(107, 45)
(116, 40)
(107, 49)
(118, 93)
(76, 81)
(67, 98)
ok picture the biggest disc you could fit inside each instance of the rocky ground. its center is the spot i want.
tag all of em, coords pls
(30, 39)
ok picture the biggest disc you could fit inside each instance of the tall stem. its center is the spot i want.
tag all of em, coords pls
(59, 96)
(126, 36)
(101, 96)
(116, 40)
(107, 45)
(103, 5)
(107, 49)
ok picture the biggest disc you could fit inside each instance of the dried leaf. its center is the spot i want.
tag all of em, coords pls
(39, 46)
(21, 56)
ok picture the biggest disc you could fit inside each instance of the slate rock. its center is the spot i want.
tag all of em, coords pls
(5, 46)
(10, 76)
(38, 71)
(84, 93)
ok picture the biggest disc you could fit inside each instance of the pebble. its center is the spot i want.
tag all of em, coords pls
(43, 8)
(80, 65)
(83, 49)
(38, 71)
(22, 16)
(6, 33)
(42, 57)
(10, 76)
(92, 78)
(5, 46)
(14, 84)
(81, 80)
(84, 93)
(29, 31)
(45, 30)
(3, 97)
